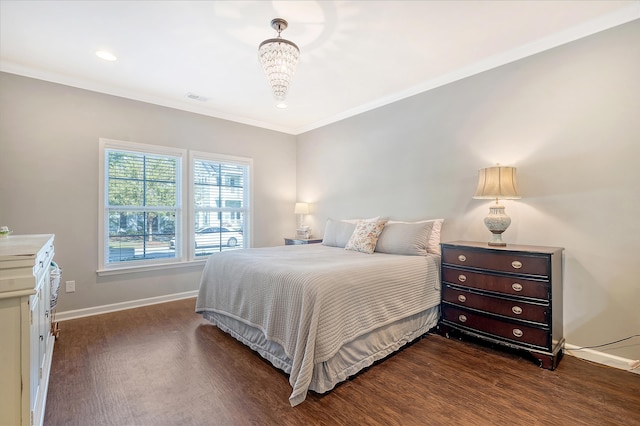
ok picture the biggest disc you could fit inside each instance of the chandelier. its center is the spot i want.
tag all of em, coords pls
(279, 58)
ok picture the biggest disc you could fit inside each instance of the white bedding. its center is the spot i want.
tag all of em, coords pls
(312, 300)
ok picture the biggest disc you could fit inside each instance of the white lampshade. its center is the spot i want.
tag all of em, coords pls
(497, 183)
(301, 208)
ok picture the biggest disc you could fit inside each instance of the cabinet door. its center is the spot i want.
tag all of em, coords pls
(46, 309)
(35, 345)
(42, 338)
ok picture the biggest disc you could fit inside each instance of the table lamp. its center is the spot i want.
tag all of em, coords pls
(497, 183)
(301, 209)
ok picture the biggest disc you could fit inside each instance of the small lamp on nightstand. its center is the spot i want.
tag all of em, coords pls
(302, 209)
(497, 183)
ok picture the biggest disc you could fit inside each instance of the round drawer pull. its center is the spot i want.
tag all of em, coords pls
(516, 264)
(462, 278)
(516, 286)
(462, 298)
(517, 332)
(462, 258)
(462, 318)
(516, 310)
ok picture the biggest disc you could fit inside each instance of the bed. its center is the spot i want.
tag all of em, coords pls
(323, 312)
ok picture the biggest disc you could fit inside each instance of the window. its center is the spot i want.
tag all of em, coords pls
(221, 202)
(150, 218)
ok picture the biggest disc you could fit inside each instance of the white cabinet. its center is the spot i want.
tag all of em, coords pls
(26, 346)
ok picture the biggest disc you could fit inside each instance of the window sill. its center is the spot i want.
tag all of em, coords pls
(146, 268)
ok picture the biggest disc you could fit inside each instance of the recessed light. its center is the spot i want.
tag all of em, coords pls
(196, 97)
(281, 105)
(107, 56)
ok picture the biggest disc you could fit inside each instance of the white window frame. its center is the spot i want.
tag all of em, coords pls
(105, 268)
(185, 210)
(248, 194)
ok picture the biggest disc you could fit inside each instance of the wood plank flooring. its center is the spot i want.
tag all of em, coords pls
(165, 365)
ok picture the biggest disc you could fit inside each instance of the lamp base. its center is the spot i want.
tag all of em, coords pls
(497, 222)
(496, 240)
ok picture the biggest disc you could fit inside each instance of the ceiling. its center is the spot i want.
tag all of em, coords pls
(355, 55)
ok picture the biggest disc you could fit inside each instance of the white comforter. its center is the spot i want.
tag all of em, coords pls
(312, 299)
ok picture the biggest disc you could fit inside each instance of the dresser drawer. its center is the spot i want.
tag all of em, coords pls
(495, 305)
(511, 262)
(496, 283)
(517, 333)
(43, 260)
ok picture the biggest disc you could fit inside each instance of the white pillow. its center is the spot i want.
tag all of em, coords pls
(434, 239)
(405, 238)
(365, 236)
(433, 245)
(355, 221)
(337, 233)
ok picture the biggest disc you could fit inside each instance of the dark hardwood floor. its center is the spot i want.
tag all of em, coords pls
(165, 365)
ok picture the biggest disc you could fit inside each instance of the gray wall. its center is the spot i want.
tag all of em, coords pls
(568, 119)
(49, 177)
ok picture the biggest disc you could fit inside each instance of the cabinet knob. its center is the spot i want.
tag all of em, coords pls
(462, 258)
(462, 278)
(462, 318)
(516, 286)
(462, 298)
(517, 332)
(41, 338)
(516, 264)
(516, 310)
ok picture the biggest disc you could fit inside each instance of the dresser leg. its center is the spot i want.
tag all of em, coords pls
(548, 362)
(444, 330)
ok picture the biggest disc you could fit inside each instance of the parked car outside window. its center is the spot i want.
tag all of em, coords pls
(213, 236)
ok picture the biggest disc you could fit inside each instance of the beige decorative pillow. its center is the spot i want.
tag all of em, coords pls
(365, 236)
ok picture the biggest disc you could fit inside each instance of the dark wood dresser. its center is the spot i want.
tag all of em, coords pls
(509, 295)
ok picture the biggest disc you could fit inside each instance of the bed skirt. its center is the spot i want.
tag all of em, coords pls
(350, 359)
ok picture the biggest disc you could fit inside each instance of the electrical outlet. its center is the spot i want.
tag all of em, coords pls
(70, 286)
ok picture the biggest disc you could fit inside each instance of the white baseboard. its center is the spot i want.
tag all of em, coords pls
(97, 310)
(603, 358)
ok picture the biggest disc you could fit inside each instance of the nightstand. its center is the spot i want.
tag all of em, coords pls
(511, 296)
(299, 241)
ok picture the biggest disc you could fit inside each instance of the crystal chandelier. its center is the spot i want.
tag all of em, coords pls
(279, 58)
